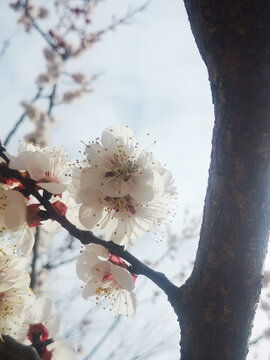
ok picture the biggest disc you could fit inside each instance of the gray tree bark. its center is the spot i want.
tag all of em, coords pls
(217, 304)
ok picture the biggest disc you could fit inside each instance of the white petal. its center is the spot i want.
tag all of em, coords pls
(91, 197)
(63, 349)
(128, 305)
(53, 324)
(89, 217)
(38, 164)
(15, 212)
(53, 188)
(124, 135)
(84, 265)
(26, 241)
(20, 162)
(98, 250)
(91, 178)
(123, 277)
(89, 289)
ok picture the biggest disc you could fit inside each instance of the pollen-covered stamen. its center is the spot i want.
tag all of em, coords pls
(3, 201)
(126, 203)
(122, 166)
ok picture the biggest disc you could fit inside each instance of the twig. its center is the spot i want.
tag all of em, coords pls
(21, 119)
(49, 265)
(123, 20)
(96, 347)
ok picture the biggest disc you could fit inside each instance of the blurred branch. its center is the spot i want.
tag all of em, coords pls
(256, 340)
(104, 337)
(6, 44)
(123, 20)
(21, 118)
(50, 266)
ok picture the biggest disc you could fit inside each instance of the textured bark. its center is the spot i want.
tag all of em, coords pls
(217, 304)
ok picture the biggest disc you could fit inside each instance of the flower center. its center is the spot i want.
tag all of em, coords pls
(123, 166)
(126, 203)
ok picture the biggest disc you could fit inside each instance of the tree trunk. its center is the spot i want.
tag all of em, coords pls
(217, 304)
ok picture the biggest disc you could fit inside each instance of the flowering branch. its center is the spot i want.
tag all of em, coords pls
(87, 237)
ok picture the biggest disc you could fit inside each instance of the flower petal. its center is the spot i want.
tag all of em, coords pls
(53, 187)
(123, 277)
(26, 241)
(89, 289)
(15, 212)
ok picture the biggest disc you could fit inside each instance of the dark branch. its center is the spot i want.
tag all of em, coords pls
(10, 349)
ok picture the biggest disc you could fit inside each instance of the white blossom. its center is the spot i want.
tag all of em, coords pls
(13, 303)
(107, 276)
(120, 188)
(15, 295)
(46, 165)
(12, 267)
(117, 166)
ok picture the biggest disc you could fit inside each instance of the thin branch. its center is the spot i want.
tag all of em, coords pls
(49, 265)
(123, 20)
(96, 347)
(21, 119)
(6, 44)
(39, 30)
(51, 99)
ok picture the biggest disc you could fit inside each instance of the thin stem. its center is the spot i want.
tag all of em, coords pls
(21, 119)
(97, 346)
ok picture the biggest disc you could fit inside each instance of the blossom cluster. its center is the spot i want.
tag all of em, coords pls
(28, 319)
(119, 190)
